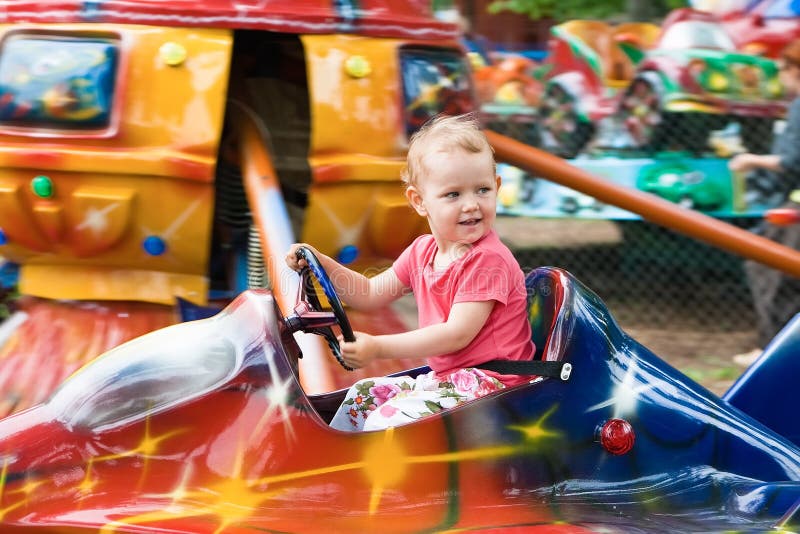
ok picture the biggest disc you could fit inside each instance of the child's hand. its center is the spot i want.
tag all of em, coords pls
(291, 256)
(360, 352)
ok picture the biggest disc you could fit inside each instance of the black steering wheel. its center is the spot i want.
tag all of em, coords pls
(308, 315)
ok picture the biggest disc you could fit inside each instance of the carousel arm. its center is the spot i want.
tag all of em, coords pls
(650, 207)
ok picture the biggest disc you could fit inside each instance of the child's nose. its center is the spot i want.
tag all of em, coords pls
(470, 203)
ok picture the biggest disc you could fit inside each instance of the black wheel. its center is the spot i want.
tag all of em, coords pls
(641, 113)
(684, 131)
(562, 130)
(756, 134)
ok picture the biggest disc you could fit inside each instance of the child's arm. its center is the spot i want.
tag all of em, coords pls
(465, 321)
(354, 288)
(747, 162)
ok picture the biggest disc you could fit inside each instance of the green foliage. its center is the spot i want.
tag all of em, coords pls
(7, 298)
(561, 10)
(713, 370)
(439, 5)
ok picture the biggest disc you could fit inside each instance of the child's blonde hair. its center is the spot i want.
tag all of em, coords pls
(444, 133)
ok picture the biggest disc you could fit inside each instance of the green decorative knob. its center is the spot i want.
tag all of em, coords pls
(42, 186)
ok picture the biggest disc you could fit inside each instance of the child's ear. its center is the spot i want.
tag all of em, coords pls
(415, 199)
(498, 181)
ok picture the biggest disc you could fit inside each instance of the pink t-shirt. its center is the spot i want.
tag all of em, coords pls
(487, 272)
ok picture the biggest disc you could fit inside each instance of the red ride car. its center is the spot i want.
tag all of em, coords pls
(764, 27)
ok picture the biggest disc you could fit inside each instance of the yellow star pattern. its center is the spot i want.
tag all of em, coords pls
(234, 498)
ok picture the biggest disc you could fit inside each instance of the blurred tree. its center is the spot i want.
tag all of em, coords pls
(561, 10)
(441, 5)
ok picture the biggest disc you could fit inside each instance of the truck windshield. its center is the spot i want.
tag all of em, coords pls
(53, 81)
(696, 34)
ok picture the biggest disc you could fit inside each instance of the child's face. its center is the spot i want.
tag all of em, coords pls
(458, 195)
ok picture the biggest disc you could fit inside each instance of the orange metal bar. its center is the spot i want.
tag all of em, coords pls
(270, 216)
(650, 207)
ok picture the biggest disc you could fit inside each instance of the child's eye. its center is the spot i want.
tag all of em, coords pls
(451, 194)
(484, 190)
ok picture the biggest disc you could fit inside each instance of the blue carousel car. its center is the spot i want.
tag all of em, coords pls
(204, 427)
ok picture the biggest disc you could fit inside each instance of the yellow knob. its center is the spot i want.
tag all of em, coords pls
(173, 54)
(357, 66)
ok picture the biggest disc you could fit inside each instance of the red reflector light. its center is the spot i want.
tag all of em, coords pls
(782, 216)
(616, 436)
